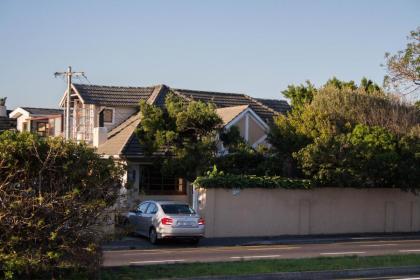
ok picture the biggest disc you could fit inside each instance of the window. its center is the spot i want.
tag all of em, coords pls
(142, 207)
(108, 115)
(152, 182)
(177, 209)
(25, 126)
(152, 209)
(42, 129)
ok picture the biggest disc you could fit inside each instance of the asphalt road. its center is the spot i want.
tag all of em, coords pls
(189, 254)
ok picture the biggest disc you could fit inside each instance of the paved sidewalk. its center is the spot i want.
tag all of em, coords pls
(128, 243)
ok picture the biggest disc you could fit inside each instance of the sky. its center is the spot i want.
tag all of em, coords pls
(252, 47)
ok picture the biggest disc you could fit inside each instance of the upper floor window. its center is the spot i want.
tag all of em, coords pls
(108, 115)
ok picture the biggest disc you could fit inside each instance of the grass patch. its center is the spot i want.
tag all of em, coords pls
(257, 267)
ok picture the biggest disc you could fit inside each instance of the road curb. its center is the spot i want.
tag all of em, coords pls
(321, 275)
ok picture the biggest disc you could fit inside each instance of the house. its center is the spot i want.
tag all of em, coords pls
(6, 123)
(43, 121)
(106, 117)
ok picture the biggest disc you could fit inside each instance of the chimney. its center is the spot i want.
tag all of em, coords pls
(100, 135)
(3, 109)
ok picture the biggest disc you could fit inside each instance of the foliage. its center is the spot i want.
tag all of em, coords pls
(352, 136)
(243, 158)
(246, 160)
(404, 66)
(300, 95)
(184, 132)
(218, 179)
(232, 139)
(335, 110)
(299, 127)
(53, 195)
(365, 157)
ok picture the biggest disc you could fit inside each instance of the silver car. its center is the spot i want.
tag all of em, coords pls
(166, 219)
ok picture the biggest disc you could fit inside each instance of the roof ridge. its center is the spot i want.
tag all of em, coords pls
(207, 91)
(271, 99)
(127, 132)
(155, 93)
(128, 139)
(122, 87)
(122, 125)
(243, 105)
(261, 104)
(23, 107)
(175, 90)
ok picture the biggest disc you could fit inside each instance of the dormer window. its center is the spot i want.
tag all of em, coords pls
(108, 115)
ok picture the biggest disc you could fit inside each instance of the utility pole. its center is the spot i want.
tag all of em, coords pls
(68, 75)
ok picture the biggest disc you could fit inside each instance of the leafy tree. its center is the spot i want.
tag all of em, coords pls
(327, 138)
(404, 66)
(303, 123)
(334, 111)
(184, 131)
(301, 94)
(364, 157)
(339, 84)
(53, 197)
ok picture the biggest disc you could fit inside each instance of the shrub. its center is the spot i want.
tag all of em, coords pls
(215, 179)
(53, 195)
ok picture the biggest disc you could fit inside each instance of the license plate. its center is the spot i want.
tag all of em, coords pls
(184, 223)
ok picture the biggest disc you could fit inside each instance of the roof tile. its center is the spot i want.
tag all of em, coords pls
(113, 96)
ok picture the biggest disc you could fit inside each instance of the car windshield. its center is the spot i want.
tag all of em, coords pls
(177, 209)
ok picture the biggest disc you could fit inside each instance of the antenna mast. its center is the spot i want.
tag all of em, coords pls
(68, 74)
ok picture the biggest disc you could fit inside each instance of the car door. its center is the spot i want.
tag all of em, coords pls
(139, 222)
(149, 215)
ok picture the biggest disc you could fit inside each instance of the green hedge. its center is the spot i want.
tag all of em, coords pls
(250, 181)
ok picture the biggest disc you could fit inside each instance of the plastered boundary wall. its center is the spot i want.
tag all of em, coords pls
(272, 212)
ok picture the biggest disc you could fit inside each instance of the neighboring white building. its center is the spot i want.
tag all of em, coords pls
(106, 117)
(43, 121)
(6, 123)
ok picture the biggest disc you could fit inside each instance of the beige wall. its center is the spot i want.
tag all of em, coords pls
(255, 131)
(19, 122)
(271, 212)
(241, 126)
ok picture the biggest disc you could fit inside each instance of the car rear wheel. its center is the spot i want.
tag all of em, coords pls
(195, 241)
(153, 236)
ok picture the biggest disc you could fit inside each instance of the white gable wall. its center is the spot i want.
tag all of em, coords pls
(250, 127)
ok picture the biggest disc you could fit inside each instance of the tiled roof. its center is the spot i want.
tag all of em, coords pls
(113, 96)
(43, 111)
(122, 140)
(119, 137)
(229, 113)
(221, 100)
(275, 104)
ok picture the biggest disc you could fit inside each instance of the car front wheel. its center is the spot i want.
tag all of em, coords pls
(153, 236)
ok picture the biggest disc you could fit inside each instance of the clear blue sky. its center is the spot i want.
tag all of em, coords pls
(256, 47)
